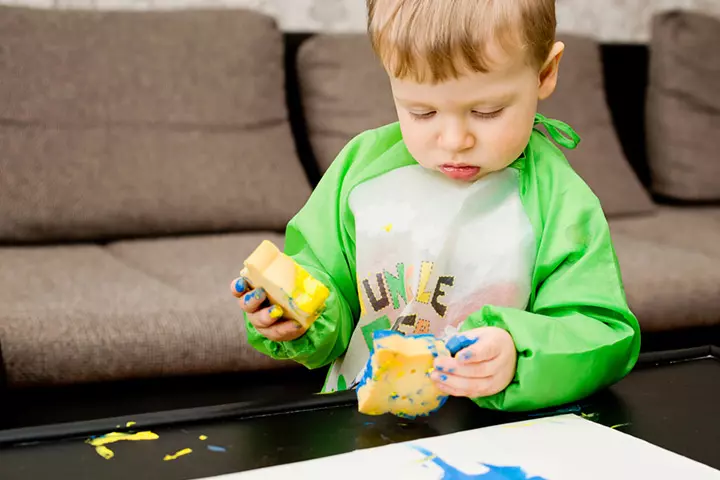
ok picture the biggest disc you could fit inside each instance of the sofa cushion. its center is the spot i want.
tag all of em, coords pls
(202, 265)
(695, 229)
(669, 287)
(81, 313)
(346, 91)
(683, 109)
(580, 101)
(143, 123)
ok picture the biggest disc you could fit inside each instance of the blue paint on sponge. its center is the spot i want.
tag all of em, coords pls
(459, 342)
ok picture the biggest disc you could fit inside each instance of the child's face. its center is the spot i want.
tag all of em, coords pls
(479, 123)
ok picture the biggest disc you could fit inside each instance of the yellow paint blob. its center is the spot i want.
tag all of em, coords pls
(185, 451)
(276, 312)
(388, 227)
(130, 424)
(105, 452)
(118, 437)
(100, 442)
(203, 437)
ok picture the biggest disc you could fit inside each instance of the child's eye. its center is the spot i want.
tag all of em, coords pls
(488, 115)
(422, 116)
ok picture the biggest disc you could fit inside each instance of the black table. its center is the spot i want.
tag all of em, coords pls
(670, 399)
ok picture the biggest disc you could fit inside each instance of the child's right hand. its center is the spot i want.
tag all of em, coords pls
(268, 320)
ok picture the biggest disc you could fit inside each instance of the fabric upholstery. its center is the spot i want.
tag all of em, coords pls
(693, 229)
(669, 287)
(345, 91)
(120, 124)
(683, 108)
(84, 313)
(579, 100)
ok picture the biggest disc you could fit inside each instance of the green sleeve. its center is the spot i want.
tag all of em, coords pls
(578, 334)
(321, 238)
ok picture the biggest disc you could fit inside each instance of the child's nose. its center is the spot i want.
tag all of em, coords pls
(456, 138)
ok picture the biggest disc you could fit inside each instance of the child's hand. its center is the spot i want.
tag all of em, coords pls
(483, 369)
(268, 321)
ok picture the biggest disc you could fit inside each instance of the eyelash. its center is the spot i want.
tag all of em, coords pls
(482, 115)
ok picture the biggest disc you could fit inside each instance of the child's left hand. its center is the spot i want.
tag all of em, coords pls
(483, 369)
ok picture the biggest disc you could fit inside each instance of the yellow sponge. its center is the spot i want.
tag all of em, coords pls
(397, 377)
(286, 283)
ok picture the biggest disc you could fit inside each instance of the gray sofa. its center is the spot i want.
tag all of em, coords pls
(144, 155)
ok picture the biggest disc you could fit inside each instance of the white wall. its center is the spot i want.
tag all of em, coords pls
(609, 20)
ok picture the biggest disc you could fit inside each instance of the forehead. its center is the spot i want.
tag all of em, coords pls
(508, 73)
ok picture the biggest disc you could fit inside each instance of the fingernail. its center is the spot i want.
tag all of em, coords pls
(276, 312)
(257, 293)
(240, 285)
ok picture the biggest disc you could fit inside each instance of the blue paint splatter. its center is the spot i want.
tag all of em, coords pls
(240, 285)
(494, 473)
(214, 448)
(255, 294)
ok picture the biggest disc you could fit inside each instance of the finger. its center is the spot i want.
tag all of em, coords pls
(481, 351)
(252, 300)
(283, 331)
(266, 317)
(464, 386)
(470, 370)
(238, 287)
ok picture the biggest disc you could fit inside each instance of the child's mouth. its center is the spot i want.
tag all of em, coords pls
(460, 172)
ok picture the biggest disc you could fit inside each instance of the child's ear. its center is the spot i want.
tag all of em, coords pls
(549, 74)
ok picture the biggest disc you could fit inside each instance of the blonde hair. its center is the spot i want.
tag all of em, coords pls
(440, 39)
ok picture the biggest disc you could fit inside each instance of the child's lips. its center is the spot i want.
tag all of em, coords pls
(460, 172)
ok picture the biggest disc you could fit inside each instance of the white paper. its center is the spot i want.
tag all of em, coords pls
(565, 447)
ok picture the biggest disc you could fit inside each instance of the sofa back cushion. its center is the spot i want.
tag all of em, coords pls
(142, 123)
(345, 91)
(683, 110)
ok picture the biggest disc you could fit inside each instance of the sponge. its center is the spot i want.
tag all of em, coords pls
(397, 376)
(286, 284)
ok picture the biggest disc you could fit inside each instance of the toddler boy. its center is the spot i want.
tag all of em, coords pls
(462, 216)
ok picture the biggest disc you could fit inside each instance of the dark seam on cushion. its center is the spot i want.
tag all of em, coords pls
(144, 125)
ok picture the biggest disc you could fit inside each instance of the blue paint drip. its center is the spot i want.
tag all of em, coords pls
(459, 342)
(214, 448)
(494, 473)
(367, 373)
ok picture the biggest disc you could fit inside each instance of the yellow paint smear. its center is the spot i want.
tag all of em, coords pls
(100, 442)
(130, 424)
(388, 227)
(105, 452)
(118, 437)
(203, 437)
(182, 452)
